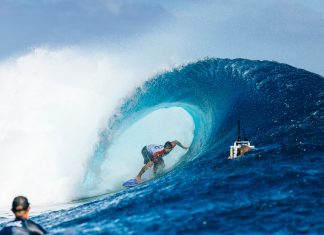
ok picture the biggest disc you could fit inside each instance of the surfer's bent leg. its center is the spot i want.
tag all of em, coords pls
(158, 165)
(162, 164)
(155, 167)
(144, 168)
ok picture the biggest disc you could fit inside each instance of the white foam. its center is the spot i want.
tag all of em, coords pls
(53, 104)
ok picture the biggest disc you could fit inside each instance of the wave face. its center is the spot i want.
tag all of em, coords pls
(277, 188)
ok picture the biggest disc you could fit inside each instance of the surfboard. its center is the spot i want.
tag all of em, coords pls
(130, 183)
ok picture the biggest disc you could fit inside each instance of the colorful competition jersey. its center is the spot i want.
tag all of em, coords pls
(153, 149)
(157, 151)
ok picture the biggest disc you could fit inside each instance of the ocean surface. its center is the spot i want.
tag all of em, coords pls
(276, 189)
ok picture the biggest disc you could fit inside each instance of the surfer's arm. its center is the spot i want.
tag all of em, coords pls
(175, 142)
(144, 168)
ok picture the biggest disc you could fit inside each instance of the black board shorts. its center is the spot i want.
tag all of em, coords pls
(146, 155)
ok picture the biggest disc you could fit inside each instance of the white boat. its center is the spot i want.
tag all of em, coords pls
(240, 147)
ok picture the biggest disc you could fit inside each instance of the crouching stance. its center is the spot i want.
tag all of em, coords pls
(153, 156)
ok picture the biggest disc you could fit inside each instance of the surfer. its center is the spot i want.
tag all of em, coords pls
(153, 154)
(21, 225)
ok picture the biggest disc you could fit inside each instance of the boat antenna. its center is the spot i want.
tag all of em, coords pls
(238, 131)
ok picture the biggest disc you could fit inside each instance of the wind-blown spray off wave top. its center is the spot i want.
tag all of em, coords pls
(277, 188)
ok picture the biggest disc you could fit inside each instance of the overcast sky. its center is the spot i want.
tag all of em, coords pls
(289, 31)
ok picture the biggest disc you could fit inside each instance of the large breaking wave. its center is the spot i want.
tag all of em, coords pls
(277, 188)
(280, 107)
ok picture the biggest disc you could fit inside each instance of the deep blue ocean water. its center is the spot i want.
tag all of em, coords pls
(278, 188)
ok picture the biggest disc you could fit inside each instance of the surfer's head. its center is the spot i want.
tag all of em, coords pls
(167, 146)
(20, 207)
